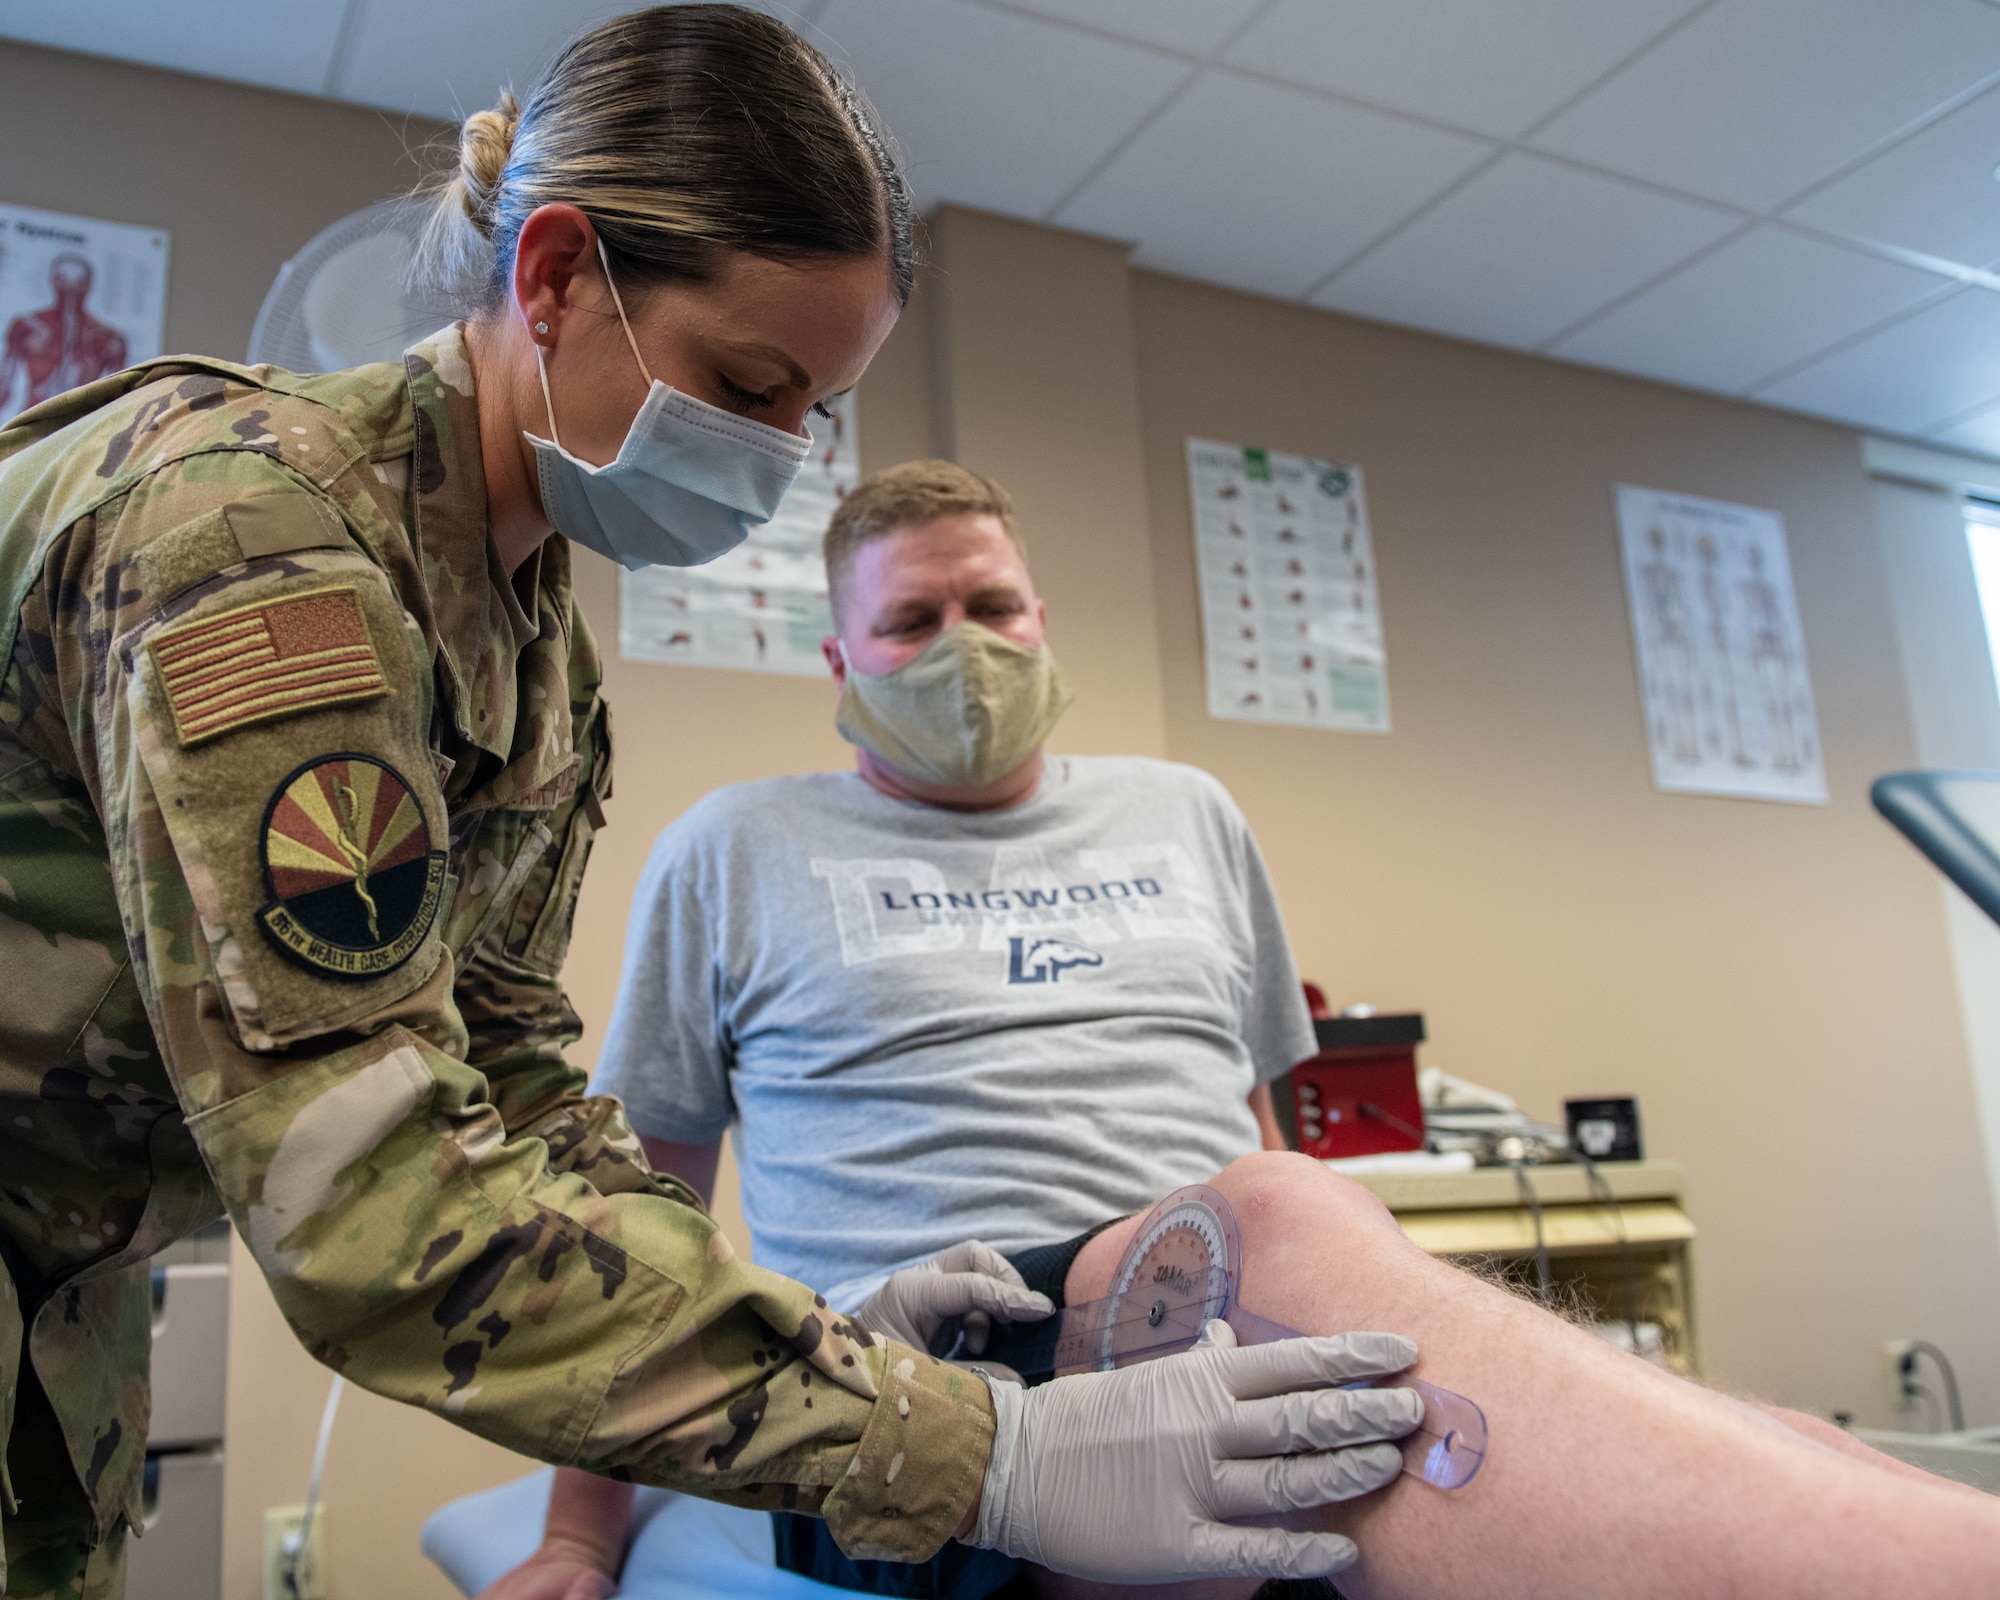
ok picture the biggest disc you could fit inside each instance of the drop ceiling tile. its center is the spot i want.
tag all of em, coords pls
(1264, 188)
(280, 44)
(448, 58)
(1193, 27)
(1496, 66)
(1913, 375)
(1754, 307)
(1522, 252)
(1756, 99)
(1934, 192)
(994, 109)
(1979, 432)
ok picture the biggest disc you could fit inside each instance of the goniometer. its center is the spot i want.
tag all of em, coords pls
(1182, 1270)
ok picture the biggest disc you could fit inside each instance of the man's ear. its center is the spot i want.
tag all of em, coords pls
(830, 648)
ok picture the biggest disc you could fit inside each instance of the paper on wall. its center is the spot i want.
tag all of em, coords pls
(761, 607)
(1722, 656)
(1291, 622)
(79, 299)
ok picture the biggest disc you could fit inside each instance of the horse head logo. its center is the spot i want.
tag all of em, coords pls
(1046, 960)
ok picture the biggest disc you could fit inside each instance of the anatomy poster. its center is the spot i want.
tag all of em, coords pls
(1290, 620)
(762, 606)
(1722, 659)
(79, 299)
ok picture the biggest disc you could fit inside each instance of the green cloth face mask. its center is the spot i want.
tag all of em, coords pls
(970, 709)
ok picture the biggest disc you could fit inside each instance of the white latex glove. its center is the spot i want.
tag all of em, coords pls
(1130, 1476)
(970, 1285)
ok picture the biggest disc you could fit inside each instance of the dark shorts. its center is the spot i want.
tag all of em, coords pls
(957, 1572)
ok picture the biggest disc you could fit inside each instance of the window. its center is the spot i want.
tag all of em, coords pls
(1982, 532)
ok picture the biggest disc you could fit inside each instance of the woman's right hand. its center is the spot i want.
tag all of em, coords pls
(552, 1574)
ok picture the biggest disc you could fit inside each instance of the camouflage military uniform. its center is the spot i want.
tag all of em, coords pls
(296, 790)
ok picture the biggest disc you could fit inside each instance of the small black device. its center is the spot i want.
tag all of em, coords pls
(1607, 1129)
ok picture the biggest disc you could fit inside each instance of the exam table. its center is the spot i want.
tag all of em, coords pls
(682, 1548)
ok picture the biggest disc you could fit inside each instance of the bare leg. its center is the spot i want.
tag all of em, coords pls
(1605, 1475)
(1840, 1439)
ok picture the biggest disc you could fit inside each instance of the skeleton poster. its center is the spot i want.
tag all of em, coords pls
(762, 606)
(1722, 658)
(1291, 624)
(78, 299)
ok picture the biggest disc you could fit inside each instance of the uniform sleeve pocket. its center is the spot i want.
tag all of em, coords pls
(279, 722)
(548, 941)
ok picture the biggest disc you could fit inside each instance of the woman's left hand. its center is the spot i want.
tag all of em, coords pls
(967, 1287)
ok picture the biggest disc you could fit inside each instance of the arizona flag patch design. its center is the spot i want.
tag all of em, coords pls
(268, 660)
(354, 882)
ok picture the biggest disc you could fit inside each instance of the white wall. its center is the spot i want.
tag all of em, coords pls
(1954, 707)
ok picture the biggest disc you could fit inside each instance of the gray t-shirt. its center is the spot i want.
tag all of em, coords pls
(929, 1025)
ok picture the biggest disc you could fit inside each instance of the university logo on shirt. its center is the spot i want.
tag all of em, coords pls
(1032, 960)
(1021, 903)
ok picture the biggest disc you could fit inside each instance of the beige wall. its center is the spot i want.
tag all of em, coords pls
(1772, 980)
(241, 177)
(1014, 305)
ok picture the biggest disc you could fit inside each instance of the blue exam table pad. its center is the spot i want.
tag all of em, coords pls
(682, 1548)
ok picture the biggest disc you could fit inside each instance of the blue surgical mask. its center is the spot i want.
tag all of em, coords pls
(689, 483)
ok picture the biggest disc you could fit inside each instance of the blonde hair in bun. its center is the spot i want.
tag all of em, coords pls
(683, 132)
(456, 251)
(485, 140)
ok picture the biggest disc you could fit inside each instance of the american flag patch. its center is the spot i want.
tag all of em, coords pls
(263, 661)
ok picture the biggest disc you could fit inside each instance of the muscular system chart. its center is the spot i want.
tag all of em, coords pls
(79, 298)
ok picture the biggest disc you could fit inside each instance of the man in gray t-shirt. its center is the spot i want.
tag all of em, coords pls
(932, 1025)
(970, 993)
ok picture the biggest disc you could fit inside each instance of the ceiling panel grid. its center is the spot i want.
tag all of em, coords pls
(1793, 200)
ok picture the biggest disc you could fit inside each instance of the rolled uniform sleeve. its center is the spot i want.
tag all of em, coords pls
(441, 1215)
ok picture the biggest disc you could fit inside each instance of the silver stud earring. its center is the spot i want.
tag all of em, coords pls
(541, 327)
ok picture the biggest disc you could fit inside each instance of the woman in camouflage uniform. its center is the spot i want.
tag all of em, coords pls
(301, 754)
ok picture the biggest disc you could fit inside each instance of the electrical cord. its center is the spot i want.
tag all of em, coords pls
(1956, 1411)
(295, 1543)
(1544, 1282)
(1918, 1391)
(1553, 1142)
(1368, 1108)
(1600, 1188)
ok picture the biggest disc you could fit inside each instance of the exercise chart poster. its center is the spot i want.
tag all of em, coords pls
(79, 299)
(761, 607)
(1722, 656)
(1291, 621)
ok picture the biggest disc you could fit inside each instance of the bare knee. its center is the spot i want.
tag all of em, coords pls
(1320, 1253)
(1283, 1187)
(1285, 1203)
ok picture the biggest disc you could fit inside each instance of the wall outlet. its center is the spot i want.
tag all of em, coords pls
(1894, 1353)
(282, 1579)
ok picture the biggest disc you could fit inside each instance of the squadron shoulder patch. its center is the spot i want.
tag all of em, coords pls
(273, 659)
(354, 882)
